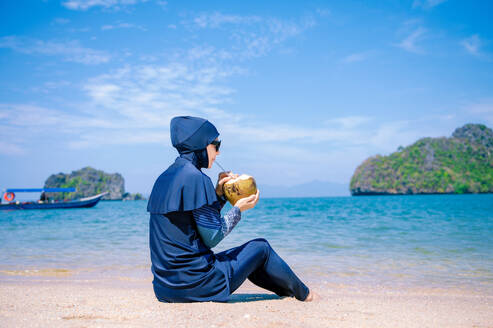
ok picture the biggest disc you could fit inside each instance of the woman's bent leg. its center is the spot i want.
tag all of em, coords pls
(257, 261)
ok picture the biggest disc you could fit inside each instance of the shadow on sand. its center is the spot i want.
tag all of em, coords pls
(240, 298)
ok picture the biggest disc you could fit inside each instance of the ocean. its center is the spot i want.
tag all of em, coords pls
(443, 241)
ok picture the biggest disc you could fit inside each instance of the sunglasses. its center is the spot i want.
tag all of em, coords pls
(216, 143)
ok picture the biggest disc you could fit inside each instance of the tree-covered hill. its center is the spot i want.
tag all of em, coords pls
(462, 163)
(89, 182)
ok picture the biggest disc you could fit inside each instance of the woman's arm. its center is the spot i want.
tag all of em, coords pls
(211, 226)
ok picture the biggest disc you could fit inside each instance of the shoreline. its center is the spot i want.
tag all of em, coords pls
(141, 276)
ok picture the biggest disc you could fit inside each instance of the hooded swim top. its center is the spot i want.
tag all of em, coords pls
(183, 186)
(184, 268)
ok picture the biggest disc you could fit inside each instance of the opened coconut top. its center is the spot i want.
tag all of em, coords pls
(241, 177)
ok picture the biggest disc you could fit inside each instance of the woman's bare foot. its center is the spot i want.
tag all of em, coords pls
(312, 296)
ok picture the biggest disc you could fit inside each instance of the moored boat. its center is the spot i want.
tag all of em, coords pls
(9, 195)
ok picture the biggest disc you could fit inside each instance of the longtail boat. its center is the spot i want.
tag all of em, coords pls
(9, 196)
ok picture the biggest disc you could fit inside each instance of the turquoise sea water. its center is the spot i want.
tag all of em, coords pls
(429, 241)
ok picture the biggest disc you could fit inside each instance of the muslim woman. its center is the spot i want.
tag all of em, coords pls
(186, 223)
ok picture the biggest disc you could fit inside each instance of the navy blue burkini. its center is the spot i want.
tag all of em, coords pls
(184, 268)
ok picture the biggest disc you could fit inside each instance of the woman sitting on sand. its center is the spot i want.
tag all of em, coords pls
(185, 222)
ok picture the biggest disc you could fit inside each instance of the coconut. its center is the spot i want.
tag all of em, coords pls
(240, 187)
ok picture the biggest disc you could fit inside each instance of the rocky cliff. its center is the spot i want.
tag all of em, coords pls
(462, 163)
(88, 182)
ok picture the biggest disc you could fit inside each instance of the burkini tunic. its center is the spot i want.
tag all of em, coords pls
(184, 269)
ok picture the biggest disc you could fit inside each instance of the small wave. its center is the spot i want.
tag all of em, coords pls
(39, 272)
(423, 251)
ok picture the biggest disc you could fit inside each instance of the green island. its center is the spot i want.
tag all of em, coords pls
(89, 182)
(462, 163)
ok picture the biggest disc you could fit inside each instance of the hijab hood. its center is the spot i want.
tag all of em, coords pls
(190, 133)
(183, 186)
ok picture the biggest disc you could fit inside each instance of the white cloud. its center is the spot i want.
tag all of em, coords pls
(86, 4)
(48, 86)
(79, 30)
(61, 21)
(427, 4)
(285, 29)
(481, 107)
(7, 148)
(216, 19)
(32, 117)
(281, 29)
(141, 100)
(472, 45)
(122, 25)
(296, 154)
(23, 124)
(410, 43)
(71, 51)
(113, 4)
(349, 121)
(135, 104)
(323, 12)
(200, 52)
(357, 57)
(261, 36)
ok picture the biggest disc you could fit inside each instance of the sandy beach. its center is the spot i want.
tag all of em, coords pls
(61, 302)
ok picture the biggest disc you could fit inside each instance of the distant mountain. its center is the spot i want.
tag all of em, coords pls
(462, 163)
(88, 182)
(309, 189)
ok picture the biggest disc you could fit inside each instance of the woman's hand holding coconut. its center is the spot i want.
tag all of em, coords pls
(222, 178)
(248, 202)
(244, 203)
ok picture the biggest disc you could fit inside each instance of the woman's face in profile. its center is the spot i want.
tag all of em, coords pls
(212, 153)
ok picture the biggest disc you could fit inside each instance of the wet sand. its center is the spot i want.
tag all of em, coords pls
(131, 303)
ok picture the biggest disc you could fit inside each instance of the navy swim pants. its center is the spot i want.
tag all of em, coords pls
(259, 263)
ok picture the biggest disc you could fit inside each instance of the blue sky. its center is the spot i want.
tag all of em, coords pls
(300, 91)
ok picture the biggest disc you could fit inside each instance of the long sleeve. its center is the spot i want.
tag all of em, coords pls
(211, 226)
